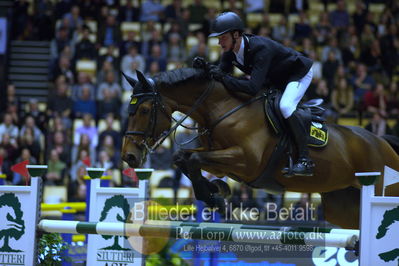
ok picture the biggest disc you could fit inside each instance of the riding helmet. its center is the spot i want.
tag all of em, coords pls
(226, 22)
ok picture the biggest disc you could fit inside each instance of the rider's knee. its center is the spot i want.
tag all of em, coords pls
(287, 108)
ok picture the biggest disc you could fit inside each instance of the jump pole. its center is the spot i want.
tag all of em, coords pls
(215, 232)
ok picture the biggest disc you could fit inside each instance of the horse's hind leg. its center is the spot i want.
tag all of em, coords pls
(341, 207)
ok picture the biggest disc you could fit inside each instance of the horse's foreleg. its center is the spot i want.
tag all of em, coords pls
(203, 189)
(180, 159)
(218, 162)
(189, 165)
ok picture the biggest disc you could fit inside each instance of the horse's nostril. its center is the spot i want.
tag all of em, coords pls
(130, 158)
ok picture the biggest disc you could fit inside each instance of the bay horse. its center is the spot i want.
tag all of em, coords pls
(237, 141)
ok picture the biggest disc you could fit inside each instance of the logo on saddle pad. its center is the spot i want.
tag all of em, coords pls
(318, 135)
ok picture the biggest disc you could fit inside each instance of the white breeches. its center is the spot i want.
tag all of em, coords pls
(293, 93)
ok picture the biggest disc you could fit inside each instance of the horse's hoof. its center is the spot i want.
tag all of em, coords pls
(223, 188)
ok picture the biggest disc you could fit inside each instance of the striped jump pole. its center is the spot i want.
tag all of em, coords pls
(215, 232)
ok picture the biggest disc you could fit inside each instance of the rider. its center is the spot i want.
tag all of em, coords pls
(267, 62)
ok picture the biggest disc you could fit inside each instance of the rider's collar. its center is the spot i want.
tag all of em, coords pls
(240, 53)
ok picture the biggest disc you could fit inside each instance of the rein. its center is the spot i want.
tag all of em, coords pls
(200, 100)
(209, 130)
(235, 109)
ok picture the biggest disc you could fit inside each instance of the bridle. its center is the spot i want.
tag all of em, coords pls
(157, 103)
(149, 133)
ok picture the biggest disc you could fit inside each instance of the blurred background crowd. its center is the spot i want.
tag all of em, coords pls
(354, 46)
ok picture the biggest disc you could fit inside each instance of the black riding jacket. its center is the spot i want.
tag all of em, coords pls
(267, 62)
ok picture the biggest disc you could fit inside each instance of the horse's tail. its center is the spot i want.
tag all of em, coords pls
(393, 141)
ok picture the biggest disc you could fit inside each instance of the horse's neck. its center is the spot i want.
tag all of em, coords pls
(251, 117)
(185, 98)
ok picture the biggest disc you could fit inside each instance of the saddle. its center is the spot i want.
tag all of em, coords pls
(310, 112)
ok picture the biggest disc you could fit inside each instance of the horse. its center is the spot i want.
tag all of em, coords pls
(237, 141)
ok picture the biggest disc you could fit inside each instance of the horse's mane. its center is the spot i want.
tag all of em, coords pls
(179, 75)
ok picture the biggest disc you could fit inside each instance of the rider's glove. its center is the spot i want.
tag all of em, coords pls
(199, 62)
(216, 73)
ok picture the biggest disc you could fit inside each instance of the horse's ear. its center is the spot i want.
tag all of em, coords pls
(142, 79)
(131, 81)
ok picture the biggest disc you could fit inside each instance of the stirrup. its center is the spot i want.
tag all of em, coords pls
(287, 171)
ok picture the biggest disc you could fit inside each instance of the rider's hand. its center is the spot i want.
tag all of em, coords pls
(216, 73)
(199, 62)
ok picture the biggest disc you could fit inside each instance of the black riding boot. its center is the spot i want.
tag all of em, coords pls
(304, 166)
